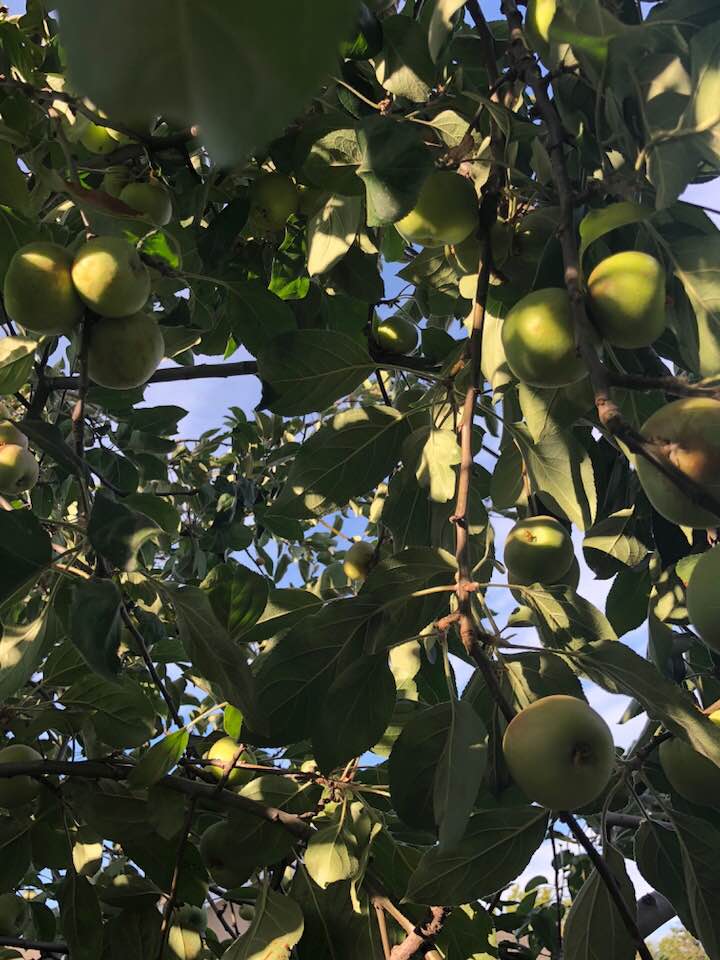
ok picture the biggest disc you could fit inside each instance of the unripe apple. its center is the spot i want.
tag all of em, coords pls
(247, 912)
(39, 292)
(96, 139)
(560, 752)
(220, 854)
(539, 340)
(110, 277)
(357, 560)
(689, 431)
(124, 353)
(192, 918)
(538, 550)
(703, 598)
(12, 914)
(19, 469)
(222, 753)
(9, 433)
(396, 335)
(116, 177)
(17, 791)
(446, 211)
(273, 198)
(152, 199)
(692, 775)
(627, 297)
(183, 944)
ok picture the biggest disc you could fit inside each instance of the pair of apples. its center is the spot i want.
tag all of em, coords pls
(47, 291)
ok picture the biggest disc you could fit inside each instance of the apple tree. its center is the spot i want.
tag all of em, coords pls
(314, 683)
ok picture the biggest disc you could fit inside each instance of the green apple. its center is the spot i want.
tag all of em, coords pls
(9, 433)
(560, 752)
(222, 753)
(692, 775)
(689, 431)
(96, 139)
(152, 199)
(19, 469)
(110, 277)
(539, 340)
(191, 918)
(396, 335)
(538, 550)
(627, 299)
(223, 855)
(273, 198)
(357, 560)
(12, 914)
(17, 791)
(446, 211)
(116, 177)
(124, 353)
(38, 289)
(183, 944)
(703, 598)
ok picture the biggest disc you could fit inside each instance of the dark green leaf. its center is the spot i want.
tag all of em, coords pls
(95, 625)
(276, 927)
(594, 929)
(118, 533)
(15, 852)
(238, 597)
(159, 759)
(25, 551)
(80, 918)
(459, 774)
(356, 710)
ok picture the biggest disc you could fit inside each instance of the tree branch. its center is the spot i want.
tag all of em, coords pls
(172, 896)
(41, 946)
(629, 921)
(151, 668)
(677, 386)
(206, 371)
(205, 792)
(421, 936)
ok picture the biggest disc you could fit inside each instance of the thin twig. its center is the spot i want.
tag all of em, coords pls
(382, 926)
(151, 668)
(558, 893)
(78, 414)
(629, 921)
(172, 896)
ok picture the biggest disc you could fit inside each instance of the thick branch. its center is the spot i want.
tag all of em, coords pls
(677, 386)
(629, 921)
(421, 936)
(41, 946)
(205, 371)
(205, 792)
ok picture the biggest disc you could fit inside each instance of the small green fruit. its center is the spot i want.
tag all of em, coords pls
(693, 776)
(538, 550)
(39, 292)
(247, 912)
(183, 944)
(627, 295)
(19, 469)
(190, 917)
(396, 335)
(539, 340)
(9, 433)
(222, 753)
(560, 752)
(17, 791)
(116, 177)
(12, 914)
(222, 854)
(689, 430)
(446, 211)
(152, 199)
(357, 560)
(110, 277)
(703, 598)
(273, 198)
(97, 139)
(124, 353)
